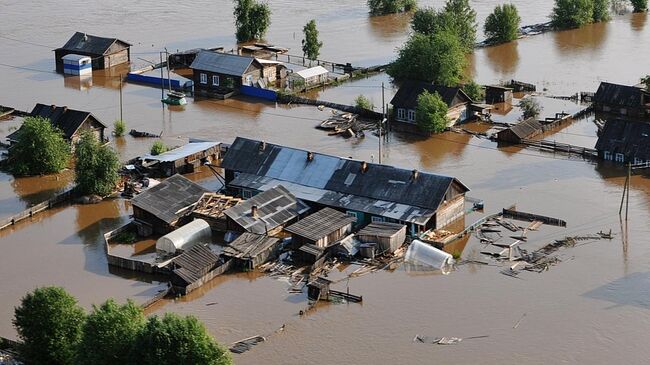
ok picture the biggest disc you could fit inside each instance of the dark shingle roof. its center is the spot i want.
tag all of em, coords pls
(407, 95)
(275, 207)
(249, 245)
(339, 175)
(223, 63)
(320, 224)
(67, 120)
(82, 42)
(621, 95)
(631, 138)
(192, 264)
(526, 128)
(381, 229)
(166, 199)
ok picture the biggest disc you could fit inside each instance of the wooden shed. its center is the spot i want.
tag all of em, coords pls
(495, 94)
(322, 228)
(182, 160)
(388, 236)
(211, 208)
(104, 52)
(319, 289)
(194, 268)
(528, 128)
(251, 250)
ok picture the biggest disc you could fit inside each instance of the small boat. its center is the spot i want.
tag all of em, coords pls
(138, 134)
(175, 98)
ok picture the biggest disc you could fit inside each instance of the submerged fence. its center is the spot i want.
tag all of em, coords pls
(33, 210)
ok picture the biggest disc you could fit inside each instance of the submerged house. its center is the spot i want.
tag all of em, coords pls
(194, 268)
(388, 236)
(223, 74)
(211, 208)
(251, 250)
(366, 191)
(104, 52)
(182, 160)
(625, 141)
(624, 100)
(70, 121)
(528, 128)
(495, 94)
(321, 229)
(406, 100)
(161, 209)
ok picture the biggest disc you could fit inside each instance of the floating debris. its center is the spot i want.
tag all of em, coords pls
(443, 340)
(246, 344)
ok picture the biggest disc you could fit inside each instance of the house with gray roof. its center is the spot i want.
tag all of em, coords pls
(104, 52)
(366, 191)
(630, 101)
(222, 74)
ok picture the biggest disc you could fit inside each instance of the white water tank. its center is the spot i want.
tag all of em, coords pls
(182, 239)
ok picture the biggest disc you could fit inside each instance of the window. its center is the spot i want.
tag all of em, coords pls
(352, 214)
(246, 194)
(377, 219)
(215, 80)
(411, 115)
(620, 157)
(204, 78)
(607, 156)
(401, 113)
(638, 161)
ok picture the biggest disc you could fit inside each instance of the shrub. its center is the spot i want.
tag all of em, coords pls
(431, 112)
(639, 5)
(158, 147)
(473, 90)
(456, 17)
(502, 25)
(96, 168)
(119, 128)
(364, 103)
(40, 149)
(380, 7)
(601, 11)
(572, 13)
(646, 81)
(530, 107)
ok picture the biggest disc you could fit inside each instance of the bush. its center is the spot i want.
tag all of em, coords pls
(474, 91)
(530, 107)
(174, 340)
(456, 17)
(601, 11)
(437, 58)
(502, 25)
(639, 5)
(572, 13)
(109, 334)
(126, 237)
(49, 323)
(158, 147)
(252, 19)
(380, 7)
(96, 168)
(119, 128)
(431, 112)
(646, 81)
(310, 45)
(364, 103)
(40, 149)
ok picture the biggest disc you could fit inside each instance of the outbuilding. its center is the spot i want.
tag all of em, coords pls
(321, 229)
(183, 238)
(74, 64)
(104, 52)
(495, 94)
(310, 77)
(250, 250)
(528, 128)
(182, 160)
(193, 268)
(388, 236)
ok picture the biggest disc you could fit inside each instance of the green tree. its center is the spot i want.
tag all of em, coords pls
(464, 21)
(572, 13)
(473, 90)
(157, 148)
(311, 45)
(639, 5)
(437, 58)
(109, 334)
(646, 81)
(601, 11)
(119, 128)
(502, 25)
(363, 102)
(380, 7)
(39, 149)
(174, 340)
(49, 323)
(431, 112)
(96, 168)
(530, 108)
(252, 19)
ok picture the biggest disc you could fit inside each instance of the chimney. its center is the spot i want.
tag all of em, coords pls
(65, 109)
(254, 211)
(364, 167)
(85, 37)
(262, 146)
(414, 175)
(310, 156)
(53, 106)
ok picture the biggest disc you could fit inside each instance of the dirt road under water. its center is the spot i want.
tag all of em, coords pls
(594, 307)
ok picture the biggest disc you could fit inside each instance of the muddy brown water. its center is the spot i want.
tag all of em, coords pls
(591, 308)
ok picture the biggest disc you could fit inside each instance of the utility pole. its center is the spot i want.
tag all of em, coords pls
(169, 79)
(383, 118)
(629, 181)
(162, 79)
(121, 117)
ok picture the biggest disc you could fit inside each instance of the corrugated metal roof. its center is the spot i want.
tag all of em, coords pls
(92, 44)
(249, 245)
(168, 198)
(621, 95)
(381, 229)
(320, 224)
(276, 206)
(180, 152)
(340, 177)
(407, 95)
(67, 120)
(631, 138)
(223, 63)
(311, 72)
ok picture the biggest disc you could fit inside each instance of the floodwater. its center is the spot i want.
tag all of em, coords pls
(594, 307)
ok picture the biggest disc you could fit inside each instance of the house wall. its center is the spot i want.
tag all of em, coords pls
(450, 211)
(117, 58)
(227, 83)
(92, 126)
(639, 112)
(159, 226)
(495, 96)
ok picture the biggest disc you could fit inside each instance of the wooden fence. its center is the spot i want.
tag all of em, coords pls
(553, 146)
(35, 209)
(342, 107)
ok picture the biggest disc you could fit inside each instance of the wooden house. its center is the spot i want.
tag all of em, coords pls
(272, 70)
(223, 74)
(321, 229)
(104, 52)
(251, 250)
(526, 129)
(388, 236)
(211, 208)
(319, 289)
(405, 102)
(70, 121)
(625, 141)
(309, 77)
(182, 160)
(630, 101)
(164, 207)
(369, 192)
(194, 268)
(495, 94)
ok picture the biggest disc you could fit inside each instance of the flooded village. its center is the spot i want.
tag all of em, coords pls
(291, 222)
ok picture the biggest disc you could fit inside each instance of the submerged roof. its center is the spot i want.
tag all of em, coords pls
(407, 95)
(320, 224)
(194, 263)
(67, 120)
(381, 229)
(275, 207)
(311, 72)
(333, 178)
(525, 128)
(623, 95)
(223, 63)
(168, 199)
(249, 245)
(631, 138)
(180, 152)
(92, 44)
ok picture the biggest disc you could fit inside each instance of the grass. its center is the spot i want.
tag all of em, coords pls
(126, 237)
